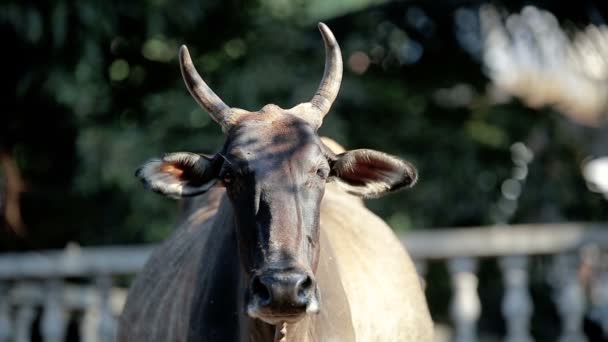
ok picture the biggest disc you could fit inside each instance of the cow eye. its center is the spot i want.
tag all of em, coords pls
(227, 178)
(323, 172)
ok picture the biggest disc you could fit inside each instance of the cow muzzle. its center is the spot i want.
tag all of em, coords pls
(282, 296)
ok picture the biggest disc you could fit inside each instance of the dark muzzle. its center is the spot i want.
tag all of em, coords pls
(280, 295)
(283, 290)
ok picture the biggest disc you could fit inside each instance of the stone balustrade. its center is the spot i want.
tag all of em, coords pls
(50, 293)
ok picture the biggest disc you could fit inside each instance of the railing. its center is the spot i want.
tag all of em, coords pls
(50, 292)
(577, 274)
(45, 285)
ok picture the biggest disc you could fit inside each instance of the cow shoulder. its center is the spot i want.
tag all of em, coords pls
(384, 291)
(166, 301)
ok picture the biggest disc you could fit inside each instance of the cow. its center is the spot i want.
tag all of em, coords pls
(274, 242)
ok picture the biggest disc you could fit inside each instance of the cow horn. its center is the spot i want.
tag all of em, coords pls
(217, 109)
(315, 110)
(332, 76)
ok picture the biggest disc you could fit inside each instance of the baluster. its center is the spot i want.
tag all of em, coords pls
(597, 267)
(107, 323)
(90, 321)
(5, 322)
(569, 297)
(23, 323)
(516, 304)
(53, 325)
(465, 307)
(599, 292)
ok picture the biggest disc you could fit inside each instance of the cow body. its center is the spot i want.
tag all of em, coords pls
(276, 246)
(191, 290)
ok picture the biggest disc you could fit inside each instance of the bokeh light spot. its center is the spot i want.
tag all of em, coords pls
(235, 48)
(358, 62)
(158, 50)
(511, 189)
(119, 70)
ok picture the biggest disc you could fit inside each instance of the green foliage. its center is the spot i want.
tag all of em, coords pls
(97, 91)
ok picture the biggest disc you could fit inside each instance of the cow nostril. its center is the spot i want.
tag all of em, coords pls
(304, 288)
(282, 290)
(261, 291)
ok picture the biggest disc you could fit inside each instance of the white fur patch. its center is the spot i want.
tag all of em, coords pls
(369, 190)
(167, 183)
(359, 165)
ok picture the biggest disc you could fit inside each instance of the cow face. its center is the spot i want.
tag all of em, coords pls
(275, 168)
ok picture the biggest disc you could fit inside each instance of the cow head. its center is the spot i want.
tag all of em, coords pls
(275, 167)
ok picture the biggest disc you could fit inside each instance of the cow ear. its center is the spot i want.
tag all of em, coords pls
(369, 173)
(179, 174)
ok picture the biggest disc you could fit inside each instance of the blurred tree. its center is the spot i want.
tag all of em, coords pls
(93, 90)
